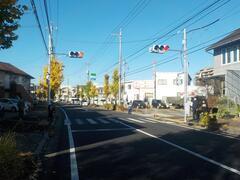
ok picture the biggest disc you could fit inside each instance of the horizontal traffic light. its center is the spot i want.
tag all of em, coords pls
(159, 48)
(75, 54)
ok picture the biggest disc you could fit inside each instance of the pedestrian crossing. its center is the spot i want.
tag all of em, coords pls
(110, 120)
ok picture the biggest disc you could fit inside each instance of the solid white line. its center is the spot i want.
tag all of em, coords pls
(91, 121)
(79, 121)
(135, 120)
(100, 130)
(73, 159)
(186, 150)
(103, 121)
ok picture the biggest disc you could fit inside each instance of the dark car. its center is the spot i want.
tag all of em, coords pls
(138, 104)
(156, 103)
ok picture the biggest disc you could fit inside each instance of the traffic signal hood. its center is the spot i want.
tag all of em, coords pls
(159, 48)
(77, 54)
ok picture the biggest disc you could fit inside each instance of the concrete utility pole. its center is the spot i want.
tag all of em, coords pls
(185, 74)
(50, 52)
(124, 75)
(154, 80)
(88, 73)
(120, 67)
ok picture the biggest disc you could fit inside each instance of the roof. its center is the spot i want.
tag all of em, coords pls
(7, 67)
(233, 37)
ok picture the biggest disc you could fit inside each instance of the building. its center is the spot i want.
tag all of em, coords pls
(226, 66)
(14, 82)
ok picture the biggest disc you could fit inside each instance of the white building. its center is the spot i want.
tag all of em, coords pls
(168, 84)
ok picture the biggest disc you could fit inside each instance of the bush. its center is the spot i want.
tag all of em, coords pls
(108, 106)
(207, 121)
(11, 164)
(120, 108)
(226, 107)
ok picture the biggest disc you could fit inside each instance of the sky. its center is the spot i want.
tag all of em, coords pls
(92, 27)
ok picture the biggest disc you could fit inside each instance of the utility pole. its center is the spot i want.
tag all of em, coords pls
(124, 75)
(50, 52)
(120, 67)
(185, 74)
(88, 74)
(154, 80)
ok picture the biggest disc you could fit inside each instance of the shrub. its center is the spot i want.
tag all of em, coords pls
(108, 106)
(207, 121)
(226, 107)
(120, 108)
(11, 164)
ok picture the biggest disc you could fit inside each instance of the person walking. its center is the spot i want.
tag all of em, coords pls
(21, 106)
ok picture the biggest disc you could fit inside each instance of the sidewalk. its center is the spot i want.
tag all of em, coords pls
(176, 116)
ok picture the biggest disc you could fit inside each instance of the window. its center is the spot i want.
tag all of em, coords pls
(234, 54)
(229, 55)
(223, 56)
(162, 82)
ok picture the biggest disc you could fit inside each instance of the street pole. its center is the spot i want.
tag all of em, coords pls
(50, 52)
(87, 63)
(120, 67)
(154, 81)
(185, 74)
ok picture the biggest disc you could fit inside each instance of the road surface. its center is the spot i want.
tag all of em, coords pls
(106, 145)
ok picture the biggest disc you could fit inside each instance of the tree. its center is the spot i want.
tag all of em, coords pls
(115, 84)
(56, 77)
(10, 14)
(106, 88)
(80, 92)
(93, 91)
(87, 89)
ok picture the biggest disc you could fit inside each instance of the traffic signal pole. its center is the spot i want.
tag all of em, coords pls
(185, 74)
(154, 80)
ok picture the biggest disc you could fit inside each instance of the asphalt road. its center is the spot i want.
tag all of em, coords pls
(105, 145)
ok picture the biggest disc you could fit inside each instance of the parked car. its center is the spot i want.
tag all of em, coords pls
(156, 103)
(138, 104)
(9, 104)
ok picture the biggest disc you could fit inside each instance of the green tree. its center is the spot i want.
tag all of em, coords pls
(115, 84)
(106, 87)
(10, 14)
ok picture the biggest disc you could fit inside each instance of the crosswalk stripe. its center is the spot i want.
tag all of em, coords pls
(91, 121)
(147, 120)
(113, 120)
(135, 120)
(103, 121)
(79, 121)
(151, 119)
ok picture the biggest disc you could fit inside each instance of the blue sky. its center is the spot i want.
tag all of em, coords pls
(84, 25)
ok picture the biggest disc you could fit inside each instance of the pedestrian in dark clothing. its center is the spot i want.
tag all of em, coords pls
(51, 110)
(21, 106)
(194, 109)
(2, 112)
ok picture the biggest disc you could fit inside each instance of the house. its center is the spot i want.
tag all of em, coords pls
(168, 84)
(14, 82)
(226, 66)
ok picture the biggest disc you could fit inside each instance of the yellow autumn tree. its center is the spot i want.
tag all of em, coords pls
(93, 92)
(56, 77)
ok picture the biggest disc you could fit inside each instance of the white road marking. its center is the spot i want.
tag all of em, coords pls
(113, 120)
(79, 121)
(100, 130)
(185, 150)
(147, 120)
(73, 159)
(103, 121)
(135, 120)
(91, 121)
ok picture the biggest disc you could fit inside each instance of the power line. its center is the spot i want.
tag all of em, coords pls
(178, 26)
(39, 25)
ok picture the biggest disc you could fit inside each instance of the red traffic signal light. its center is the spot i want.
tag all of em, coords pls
(77, 54)
(159, 48)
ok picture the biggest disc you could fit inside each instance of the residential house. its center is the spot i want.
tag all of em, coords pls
(14, 82)
(226, 66)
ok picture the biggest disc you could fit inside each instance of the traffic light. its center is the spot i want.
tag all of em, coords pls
(159, 48)
(76, 54)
